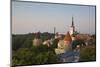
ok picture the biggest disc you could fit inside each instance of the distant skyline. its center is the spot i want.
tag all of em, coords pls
(29, 17)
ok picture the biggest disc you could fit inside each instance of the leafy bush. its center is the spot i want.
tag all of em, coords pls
(87, 54)
(35, 55)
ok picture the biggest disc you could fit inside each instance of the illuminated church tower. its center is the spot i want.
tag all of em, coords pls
(72, 30)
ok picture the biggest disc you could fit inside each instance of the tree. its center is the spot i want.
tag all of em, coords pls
(87, 54)
(36, 55)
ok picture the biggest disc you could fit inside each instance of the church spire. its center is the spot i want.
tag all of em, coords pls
(72, 28)
(72, 21)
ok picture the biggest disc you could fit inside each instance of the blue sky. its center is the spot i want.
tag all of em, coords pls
(28, 17)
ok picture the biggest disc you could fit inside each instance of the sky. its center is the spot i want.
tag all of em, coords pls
(29, 17)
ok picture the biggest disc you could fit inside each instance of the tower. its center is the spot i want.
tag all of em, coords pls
(37, 39)
(72, 29)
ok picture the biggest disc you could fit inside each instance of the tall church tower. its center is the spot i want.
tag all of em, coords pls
(72, 29)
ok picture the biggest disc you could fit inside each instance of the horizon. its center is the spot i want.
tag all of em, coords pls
(25, 17)
(50, 33)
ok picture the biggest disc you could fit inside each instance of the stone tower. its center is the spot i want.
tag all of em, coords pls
(37, 39)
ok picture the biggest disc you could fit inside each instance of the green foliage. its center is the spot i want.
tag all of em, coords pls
(16, 42)
(77, 42)
(55, 43)
(87, 54)
(44, 37)
(27, 43)
(35, 55)
(19, 41)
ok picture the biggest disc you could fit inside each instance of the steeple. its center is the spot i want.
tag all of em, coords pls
(72, 22)
(72, 30)
(72, 27)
